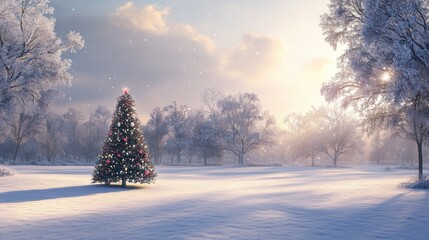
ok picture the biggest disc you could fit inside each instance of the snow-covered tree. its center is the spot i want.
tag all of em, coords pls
(242, 126)
(304, 135)
(205, 142)
(384, 71)
(31, 65)
(155, 132)
(179, 133)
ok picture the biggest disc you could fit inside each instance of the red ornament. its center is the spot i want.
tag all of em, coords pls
(141, 151)
(107, 161)
(125, 90)
(119, 155)
(125, 139)
(146, 172)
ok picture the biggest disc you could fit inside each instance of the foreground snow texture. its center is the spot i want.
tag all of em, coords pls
(215, 203)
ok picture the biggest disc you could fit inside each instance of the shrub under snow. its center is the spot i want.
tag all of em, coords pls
(4, 171)
(421, 184)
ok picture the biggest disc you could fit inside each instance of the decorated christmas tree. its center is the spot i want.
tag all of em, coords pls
(124, 156)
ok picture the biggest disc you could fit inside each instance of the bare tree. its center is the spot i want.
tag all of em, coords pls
(51, 140)
(340, 132)
(102, 116)
(210, 98)
(242, 126)
(93, 132)
(178, 122)
(305, 137)
(25, 123)
(155, 133)
(72, 128)
(388, 148)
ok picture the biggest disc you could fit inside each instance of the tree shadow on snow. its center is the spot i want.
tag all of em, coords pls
(62, 192)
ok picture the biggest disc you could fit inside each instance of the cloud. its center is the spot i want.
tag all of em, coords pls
(255, 57)
(151, 18)
(160, 61)
(147, 18)
(158, 68)
(190, 32)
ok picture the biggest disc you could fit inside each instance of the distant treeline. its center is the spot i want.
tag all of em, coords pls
(228, 129)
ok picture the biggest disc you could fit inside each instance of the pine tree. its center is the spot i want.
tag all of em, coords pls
(124, 156)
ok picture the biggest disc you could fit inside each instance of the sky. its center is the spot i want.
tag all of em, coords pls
(166, 51)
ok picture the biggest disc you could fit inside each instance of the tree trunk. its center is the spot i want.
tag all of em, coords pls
(312, 161)
(335, 161)
(16, 151)
(240, 159)
(178, 158)
(124, 182)
(420, 150)
(205, 161)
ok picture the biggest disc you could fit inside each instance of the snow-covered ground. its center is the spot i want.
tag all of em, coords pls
(215, 203)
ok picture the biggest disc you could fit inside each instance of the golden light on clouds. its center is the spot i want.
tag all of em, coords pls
(152, 19)
(172, 52)
(147, 18)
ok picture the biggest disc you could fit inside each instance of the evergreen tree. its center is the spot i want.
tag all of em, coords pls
(124, 156)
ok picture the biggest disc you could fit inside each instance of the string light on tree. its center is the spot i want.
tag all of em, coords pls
(124, 155)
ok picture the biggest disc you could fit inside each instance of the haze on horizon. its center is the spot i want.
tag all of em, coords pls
(164, 51)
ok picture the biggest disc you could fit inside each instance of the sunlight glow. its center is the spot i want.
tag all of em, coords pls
(386, 76)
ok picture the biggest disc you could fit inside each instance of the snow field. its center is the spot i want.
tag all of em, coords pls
(215, 203)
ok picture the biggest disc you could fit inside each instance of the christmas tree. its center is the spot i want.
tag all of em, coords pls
(124, 156)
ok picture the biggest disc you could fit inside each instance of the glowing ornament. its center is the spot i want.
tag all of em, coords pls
(132, 124)
(119, 124)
